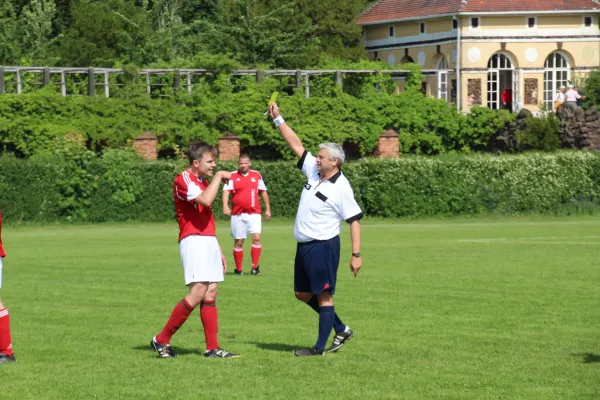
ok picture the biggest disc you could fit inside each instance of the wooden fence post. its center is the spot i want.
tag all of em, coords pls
(91, 82)
(176, 82)
(259, 76)
(298, 79)
(338, 78)
(307, 88)
(46, 76)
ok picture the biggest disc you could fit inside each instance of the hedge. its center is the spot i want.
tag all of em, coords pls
(120, 187)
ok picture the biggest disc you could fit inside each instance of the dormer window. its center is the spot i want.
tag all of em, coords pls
(475, 22)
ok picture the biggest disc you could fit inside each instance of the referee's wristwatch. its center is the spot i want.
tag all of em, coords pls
(357, 254)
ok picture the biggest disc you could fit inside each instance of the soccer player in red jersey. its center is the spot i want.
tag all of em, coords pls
(6, 353)
(245, 185)
(203, 261)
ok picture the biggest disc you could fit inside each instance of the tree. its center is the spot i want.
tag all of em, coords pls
(591, 88)
(9, 43)
(36, 27)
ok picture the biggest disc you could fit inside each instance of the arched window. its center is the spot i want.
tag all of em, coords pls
(556, 74)
(406, 59)
(442, 63)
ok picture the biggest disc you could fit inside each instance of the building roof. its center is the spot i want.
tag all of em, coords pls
(391, 10)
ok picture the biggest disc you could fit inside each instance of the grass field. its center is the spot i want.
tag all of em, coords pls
(486, 309)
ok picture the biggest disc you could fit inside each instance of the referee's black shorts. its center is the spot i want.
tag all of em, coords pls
(316, 265)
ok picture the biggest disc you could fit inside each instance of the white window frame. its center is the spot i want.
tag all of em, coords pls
(393, 31)
(555, 83)
(583, 25)
(535, 23)
(471, 23)
(424, 26)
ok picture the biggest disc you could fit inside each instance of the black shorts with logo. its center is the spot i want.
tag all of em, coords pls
(316, 265)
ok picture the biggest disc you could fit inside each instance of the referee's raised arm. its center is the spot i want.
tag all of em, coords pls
(288, 134)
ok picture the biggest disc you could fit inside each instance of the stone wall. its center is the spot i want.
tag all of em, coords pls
(580, 130)
(474, 92)
(531, 91)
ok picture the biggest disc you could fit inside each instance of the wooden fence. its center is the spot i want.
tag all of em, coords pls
(182, 78)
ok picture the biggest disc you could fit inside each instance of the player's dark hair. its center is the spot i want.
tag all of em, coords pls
(244, 155)
(197, 150)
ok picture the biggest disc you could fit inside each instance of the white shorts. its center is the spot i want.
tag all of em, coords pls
(201, 259)
(243, 224)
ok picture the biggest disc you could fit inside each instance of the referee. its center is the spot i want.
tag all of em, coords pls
(327, 200)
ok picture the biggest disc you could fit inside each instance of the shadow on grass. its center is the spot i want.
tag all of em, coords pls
(178, 350)
(277, 346)
(589, 358)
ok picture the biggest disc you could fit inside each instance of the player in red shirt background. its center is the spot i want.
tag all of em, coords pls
(6, 353)
(245, 185)
(203, 261)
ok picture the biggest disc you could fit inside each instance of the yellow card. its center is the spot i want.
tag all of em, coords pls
(273, 98)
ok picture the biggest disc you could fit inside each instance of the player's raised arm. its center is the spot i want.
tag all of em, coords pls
(288, 134)
(210, 193)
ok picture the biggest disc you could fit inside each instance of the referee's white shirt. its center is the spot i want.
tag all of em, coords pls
(324, 205)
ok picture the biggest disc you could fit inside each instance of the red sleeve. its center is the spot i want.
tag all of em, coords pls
(2, 253)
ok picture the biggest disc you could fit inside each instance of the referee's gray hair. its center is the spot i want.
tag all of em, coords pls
(335, 152)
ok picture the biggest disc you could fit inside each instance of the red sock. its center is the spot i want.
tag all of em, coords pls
(180, 314)
(255, 254)
(238, 256)
(5, 341)
(210, 321)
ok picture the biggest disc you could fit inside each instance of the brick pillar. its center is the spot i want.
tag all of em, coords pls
(229, 147)
(145, 146)
(389, 145)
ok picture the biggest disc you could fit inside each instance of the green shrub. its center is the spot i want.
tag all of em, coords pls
(220, 104)
(119, 188)
(539, 133)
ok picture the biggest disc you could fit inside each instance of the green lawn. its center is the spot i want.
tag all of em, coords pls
(482, 309)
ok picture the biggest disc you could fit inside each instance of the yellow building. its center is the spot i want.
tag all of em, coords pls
(528, 47)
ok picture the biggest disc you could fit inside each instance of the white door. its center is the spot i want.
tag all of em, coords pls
(442, 85)
(493, 89)
(516, 89)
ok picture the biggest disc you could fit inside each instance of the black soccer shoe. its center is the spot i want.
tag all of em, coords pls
(311, 351)
(256, 271)
(339, 340)
(236, 272)
(5, 358)
(220, 353)
(163, 350)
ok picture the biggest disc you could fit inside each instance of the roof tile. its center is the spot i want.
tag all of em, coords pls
(389, 10)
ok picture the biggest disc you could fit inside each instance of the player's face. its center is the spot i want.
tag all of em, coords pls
(324, 163)
(206, 164)
(244, 165)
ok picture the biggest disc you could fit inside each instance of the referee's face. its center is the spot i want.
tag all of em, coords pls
(324, 163)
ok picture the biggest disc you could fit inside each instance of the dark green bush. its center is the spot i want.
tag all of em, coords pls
(120, 188)
(539, 133)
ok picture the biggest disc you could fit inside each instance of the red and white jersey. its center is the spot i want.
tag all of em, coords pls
(2, 253)
(244, 192)
(193, 218)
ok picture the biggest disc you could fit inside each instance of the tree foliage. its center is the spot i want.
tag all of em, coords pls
(107, 33)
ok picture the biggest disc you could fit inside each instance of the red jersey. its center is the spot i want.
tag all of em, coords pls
(244, 192)
(193, 218)
(2, 253)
